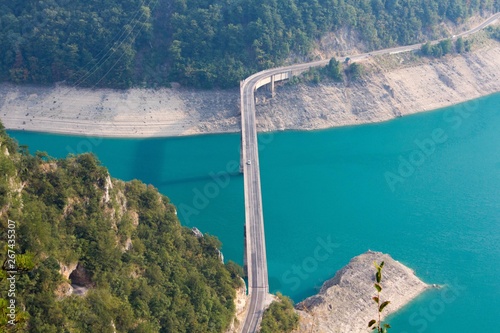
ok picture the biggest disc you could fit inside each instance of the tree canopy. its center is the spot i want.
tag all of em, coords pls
(201, 43)
(494, 32)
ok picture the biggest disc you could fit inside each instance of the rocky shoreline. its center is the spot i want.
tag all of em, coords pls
(344, 302)
(393, 86)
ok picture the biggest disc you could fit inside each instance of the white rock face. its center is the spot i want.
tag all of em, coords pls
(344, 303)
(66, 270)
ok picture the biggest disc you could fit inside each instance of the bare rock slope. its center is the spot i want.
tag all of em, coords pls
(393, 86)
(344, 302)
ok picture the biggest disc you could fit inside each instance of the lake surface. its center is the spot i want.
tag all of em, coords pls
(424, 188)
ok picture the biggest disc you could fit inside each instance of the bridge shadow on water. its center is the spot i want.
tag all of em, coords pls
(200, 178)
(155, 163)
(150, 160)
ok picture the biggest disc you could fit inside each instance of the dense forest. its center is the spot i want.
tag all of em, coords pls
(143, 271)
(201, 43)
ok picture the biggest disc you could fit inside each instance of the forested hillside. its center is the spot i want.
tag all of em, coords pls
(202, 43)
(121, 241)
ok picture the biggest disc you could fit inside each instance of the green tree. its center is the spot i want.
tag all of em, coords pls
(446, 46)
(426, 49)
(280, 317)
(459, 45)
(334, 70)
(437, 51)
(494, 32)
(355, 71)
(376, 324)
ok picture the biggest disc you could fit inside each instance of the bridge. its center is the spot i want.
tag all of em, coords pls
(255, 245)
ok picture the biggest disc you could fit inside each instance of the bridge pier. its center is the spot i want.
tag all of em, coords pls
(272, 86)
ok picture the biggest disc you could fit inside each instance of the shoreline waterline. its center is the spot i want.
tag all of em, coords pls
(109, 135)
(392, 86)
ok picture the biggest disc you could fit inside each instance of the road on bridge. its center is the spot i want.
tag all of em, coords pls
(258, 285)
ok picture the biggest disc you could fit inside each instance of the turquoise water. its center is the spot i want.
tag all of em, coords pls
(424, 188)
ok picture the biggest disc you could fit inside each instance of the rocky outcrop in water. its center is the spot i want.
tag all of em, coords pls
(344, 302)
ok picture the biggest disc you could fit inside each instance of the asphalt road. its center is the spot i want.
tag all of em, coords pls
(258, 286)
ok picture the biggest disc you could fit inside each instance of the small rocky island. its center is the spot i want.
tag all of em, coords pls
(344, 302)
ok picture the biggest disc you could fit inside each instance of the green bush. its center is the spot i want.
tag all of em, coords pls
(443, 48)
(355, 71)
(280, 317)
(494, 32)
(334, 70)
